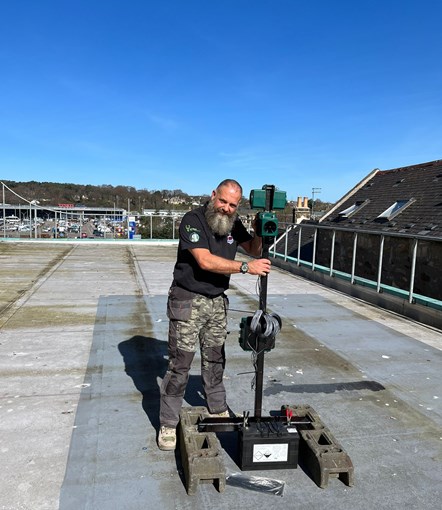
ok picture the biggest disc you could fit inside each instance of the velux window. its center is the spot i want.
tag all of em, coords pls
(346, 213)
(395, 209)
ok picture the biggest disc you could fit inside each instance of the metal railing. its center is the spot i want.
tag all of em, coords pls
(279, 249)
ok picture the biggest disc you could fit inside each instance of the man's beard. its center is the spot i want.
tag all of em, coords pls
(219, 223)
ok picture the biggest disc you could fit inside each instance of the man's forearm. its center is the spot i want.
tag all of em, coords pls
(253, 246)
(256, 246)
(214, 263)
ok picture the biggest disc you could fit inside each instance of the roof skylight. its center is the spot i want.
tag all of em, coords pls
(347, 213)
(395, 209)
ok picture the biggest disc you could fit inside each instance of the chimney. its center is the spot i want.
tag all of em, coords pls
(306, 202)
(299, 203)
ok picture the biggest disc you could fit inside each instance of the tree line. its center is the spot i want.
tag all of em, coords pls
(52, 193)
(124, 197)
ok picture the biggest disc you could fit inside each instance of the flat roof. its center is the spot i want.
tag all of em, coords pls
(83, 349)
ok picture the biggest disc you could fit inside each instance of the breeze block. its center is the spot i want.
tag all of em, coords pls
(319, 450)
(201, 452)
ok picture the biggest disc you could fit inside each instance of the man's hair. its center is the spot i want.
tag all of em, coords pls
(229, 182)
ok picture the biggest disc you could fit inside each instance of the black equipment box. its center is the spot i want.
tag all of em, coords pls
(268, 445)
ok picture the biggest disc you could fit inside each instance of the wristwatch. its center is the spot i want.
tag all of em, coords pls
(244, 268)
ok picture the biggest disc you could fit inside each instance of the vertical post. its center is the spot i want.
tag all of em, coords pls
(260, 355)
(270, 191)
(115, 220)
(4, 211)
(314, 249)
(353, 261)
(298, 263)
(35, 221)
(413, 270)
(332, 255)
(381, 257)
(287, 230)
(314, 191)
(274, 248)
(128, 228)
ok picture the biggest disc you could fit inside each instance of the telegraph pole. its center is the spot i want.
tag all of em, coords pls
(315, 191)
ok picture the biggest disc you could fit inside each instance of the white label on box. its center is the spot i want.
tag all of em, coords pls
(271, 452)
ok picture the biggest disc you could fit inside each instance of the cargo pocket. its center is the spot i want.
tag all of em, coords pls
(179, 304)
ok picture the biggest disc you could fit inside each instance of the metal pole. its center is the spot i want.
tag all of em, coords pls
(35, 222)
(353, 262)
(381, 257)
(413, 270)
(287, 230)
(260, 355)
(4, 211)
(128, 207)
(298, 263)
(314, 191)
(332, 256)
(314, 249)
(266, 241)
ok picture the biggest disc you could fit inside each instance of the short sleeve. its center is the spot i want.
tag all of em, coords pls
(192, 234)
(240, 233)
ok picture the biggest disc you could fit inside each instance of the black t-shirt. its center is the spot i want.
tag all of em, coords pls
(195, 233)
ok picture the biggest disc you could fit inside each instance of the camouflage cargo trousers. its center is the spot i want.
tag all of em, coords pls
(194, 319)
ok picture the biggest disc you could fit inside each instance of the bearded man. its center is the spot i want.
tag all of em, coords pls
(197, 304)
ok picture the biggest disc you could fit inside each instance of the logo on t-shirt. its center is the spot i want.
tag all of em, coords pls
(194, 237)
(230, 239)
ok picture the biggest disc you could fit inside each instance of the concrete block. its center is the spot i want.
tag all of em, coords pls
(201, 452)
(319, 450)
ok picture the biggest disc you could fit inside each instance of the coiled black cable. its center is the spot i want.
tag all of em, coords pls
(265, 324)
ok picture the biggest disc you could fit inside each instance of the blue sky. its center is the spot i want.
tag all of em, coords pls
(174, 94)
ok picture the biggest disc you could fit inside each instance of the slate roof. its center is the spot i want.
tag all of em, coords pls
(402, 200)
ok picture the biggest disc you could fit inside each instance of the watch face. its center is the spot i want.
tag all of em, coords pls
(244, 267)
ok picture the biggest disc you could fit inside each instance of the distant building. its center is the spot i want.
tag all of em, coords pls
(301, 211)
(176, 200)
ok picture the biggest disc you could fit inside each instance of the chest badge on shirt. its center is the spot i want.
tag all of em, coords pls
(230, 239)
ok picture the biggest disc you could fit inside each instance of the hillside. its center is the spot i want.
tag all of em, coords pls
(127, 197)
(52, 193)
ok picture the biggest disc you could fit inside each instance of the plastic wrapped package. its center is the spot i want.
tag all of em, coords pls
(256, 483)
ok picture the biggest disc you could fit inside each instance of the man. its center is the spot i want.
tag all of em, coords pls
(197, 305)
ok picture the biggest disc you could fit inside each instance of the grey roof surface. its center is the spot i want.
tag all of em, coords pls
(421, 184)
(83, 348)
